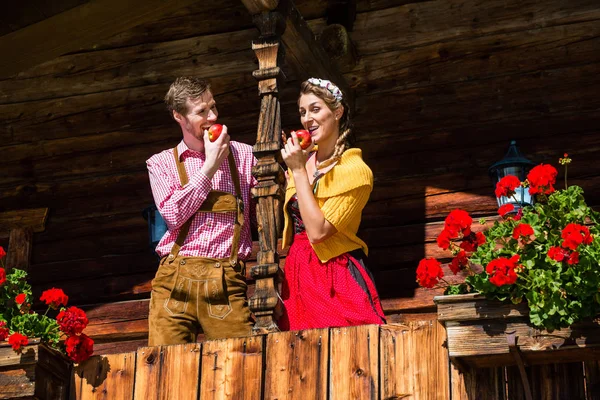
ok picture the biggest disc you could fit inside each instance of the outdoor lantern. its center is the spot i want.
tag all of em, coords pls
(156, 225)
(513, 163)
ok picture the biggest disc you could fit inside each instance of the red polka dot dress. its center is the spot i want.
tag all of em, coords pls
(338, 292)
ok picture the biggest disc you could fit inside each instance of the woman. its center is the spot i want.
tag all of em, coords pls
(326, 283)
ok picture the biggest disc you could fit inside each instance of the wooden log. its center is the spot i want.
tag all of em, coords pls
(479, 57)
(354, 374)
(17, 219)
(421, 23)
(411, 354)
(87, 23)
(296, 365)
(223, 57)
(337, 43)
(306, 55)
(105, 377)
(232, 368)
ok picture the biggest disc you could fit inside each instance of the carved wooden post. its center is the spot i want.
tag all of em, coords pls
(268, 172)
(19, 227)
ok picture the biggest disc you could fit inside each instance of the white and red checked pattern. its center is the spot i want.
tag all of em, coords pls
(210, 234)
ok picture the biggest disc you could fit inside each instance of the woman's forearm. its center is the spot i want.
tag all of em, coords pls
(317, 227)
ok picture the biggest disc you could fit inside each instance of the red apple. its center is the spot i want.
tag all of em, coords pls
(304, 139)
(214, 132)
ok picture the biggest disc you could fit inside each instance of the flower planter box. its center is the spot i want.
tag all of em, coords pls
(483, 333)
(38, 372)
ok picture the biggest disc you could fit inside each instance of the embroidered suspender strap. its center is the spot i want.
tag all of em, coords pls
(216, 201)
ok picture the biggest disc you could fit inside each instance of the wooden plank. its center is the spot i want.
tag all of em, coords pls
(592, 379)
(354, 374)
(179, 361)
(29, 355)
(477, 383)
(551, 382)
(232, 368)
(34, 218)
(87, 24)
(148, 367)
(410, 355)
(296, 365)
(105, 377)
(475, 307)
(579, 342)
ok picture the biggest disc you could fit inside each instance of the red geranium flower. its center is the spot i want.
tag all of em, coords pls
(3, 330)
(443, 239)
(505, 209)
(16, 340)
(458, 262)
(54, 298)
(20, 299)
(507, 185)
(458, 221)
(479, 238)
(557, 254)
(429, 272)
(574, 235)
(541, 179)
(79, 348)
(72, 321)
(2, 252)
(2, 276)
(523, 231)
(502, 270)
(573, 258)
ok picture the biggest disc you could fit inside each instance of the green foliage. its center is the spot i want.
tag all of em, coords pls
(558, 293)
(19, 317)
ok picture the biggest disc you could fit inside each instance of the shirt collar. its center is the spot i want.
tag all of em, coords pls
(184, 151)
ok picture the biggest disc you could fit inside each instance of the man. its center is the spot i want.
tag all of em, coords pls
(200, 188)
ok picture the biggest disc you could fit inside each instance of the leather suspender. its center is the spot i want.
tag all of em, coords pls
(216, 201)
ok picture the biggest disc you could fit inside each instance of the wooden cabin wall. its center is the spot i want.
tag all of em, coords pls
(441, 87)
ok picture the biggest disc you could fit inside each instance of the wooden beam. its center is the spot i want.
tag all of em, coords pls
(306, 53)
(259, 6)
(79, 27)
(302, 49)
(34, 219)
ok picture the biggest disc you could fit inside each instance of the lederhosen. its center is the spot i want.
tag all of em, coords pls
(216, 287)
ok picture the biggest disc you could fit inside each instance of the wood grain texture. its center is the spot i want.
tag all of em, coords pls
(354, 374)
(296, 365)
(232, 368)
(410, 355)
(105, 377)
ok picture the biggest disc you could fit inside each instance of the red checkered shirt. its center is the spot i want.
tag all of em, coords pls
(210, 234)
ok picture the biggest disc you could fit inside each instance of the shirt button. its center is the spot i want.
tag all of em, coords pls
(217, 264)
(182, 262)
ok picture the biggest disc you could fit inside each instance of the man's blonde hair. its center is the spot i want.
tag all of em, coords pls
(184, 87)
